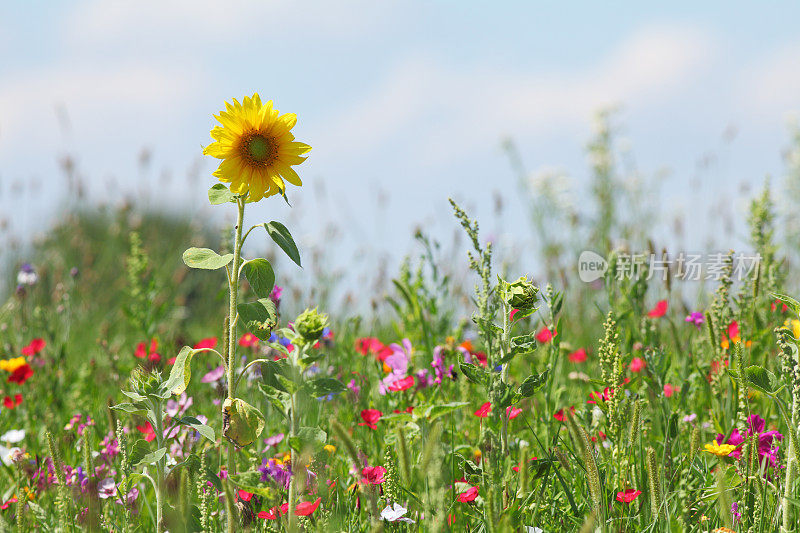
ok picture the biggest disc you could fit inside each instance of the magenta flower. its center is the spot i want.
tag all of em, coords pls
(696, 318)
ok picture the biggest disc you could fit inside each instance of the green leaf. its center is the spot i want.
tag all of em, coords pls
(181, 371)
(136, 397)
(278, 398)
(260, 276)
(241, 422)
(151, 458)
(198, 426)
(308, 437)
(475, 374)
(533, 383)
(284, 239)
(508, 396)
(220, 194)
(762, 379)
(324, 386)
(790, 302)
(129, 408)
(270, 370)
(139, 449)
(205, 258)
(259, 317)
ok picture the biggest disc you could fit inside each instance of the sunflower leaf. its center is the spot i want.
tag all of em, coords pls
(205, 258)
(284, 239)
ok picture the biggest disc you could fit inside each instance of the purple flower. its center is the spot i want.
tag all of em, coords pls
(398, 362)
(438, 364)
(767, 440)
(271, 470)
(696, 318)
(354, 388)
(273, 441)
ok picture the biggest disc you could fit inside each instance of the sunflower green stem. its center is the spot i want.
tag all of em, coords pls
(233, 288)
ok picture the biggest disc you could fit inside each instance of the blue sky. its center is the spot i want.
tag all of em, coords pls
(409, 99)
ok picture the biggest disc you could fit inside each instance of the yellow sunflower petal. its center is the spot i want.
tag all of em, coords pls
(290, 175)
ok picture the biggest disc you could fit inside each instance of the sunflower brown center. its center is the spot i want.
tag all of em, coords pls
(258, 149)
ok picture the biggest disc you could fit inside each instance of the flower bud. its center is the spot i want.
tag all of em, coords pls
(311, 324)
(521, 294)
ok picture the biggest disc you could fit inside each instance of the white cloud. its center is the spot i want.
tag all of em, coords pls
(480, 103)
(770, 88)
(101, 99)
(207, 21)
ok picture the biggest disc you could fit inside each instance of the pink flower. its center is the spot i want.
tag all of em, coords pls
(370, 417)
(545, 335)
(306, 508)
(210, 342)
(402, 384)
(213, 376)
(578, 356)
(628, 495)
(659, 310)
(34, 347)
(468, 495)
(372, 475)
(484, 410)
(637, 364)
(513, 412)
(669, 390)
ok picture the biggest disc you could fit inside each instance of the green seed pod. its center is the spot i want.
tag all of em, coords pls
(310, 325)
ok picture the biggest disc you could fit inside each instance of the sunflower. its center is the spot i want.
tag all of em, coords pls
(257, 148)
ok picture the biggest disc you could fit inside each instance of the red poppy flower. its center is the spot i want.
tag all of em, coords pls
(370, 417)
(11, 402)
(628, 495)
(637, 364)
(512, 412)
(248, 340)
(545, 335)
(151, 354)
(34, 347)
(402, 384)
(147, 431)
(210, 342)
(659, 310)
(409, 410)
(368, 345)
(272, 514)
(601, 396)
(245, 496)
(482, 359)
(21, 374)
(578, 356)
(484, 410)
(284, 508)
(306, 508)
(372, 475)
(468, 495)
(669, 390)
(561, 415)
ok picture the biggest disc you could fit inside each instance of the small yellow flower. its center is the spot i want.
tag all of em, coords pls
(794, 325)
(257, 148)
(720, 450)
(330, 448)
(477, 455)
(722, 530)
(10, 365)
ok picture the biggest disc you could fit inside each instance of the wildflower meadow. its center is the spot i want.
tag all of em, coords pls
(160, 374)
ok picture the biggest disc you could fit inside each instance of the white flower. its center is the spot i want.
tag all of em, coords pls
(395, 514)
(532, 529)
(7, 454)
(107, 488)
(13, 435)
